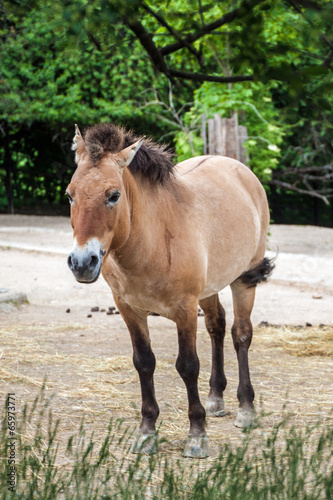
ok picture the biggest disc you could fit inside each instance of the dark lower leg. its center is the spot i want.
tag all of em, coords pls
(242, 336)
(215, 324)
(144, 362)
(187, 365)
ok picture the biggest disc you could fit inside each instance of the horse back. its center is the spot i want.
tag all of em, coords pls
(226, 183)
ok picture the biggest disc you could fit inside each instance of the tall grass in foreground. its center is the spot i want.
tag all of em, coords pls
(288, 464)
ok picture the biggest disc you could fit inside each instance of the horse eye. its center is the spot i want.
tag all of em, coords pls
(113, 198)
(70, 199)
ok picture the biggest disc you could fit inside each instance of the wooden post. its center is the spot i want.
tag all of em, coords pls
(204, 133)
(211, 137)
(218, 135)
(237, 143)
(231, 148)
(225, 137)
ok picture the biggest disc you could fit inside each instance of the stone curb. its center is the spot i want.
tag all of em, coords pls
(10, 299)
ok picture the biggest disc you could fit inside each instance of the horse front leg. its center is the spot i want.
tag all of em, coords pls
(144, 362)
(187, 364)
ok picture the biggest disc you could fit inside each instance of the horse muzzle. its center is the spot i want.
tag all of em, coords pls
(85, 262)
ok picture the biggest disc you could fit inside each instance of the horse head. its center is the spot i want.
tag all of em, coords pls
(100, 214)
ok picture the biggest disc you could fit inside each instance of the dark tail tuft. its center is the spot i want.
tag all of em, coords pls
(259, 273)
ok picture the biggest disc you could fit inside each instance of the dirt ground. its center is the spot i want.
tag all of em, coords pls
(87, 360)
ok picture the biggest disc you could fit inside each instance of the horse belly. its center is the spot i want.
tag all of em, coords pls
(233, 243)
(224, 272)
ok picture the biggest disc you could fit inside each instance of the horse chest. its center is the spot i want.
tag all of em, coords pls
(139, 292)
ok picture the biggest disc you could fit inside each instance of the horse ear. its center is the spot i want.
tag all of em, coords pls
(78, 143)
(125, 156)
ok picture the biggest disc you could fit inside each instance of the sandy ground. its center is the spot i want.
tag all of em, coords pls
(33, 260)
(87, 361)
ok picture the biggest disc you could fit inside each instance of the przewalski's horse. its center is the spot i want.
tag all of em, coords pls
(167, 239)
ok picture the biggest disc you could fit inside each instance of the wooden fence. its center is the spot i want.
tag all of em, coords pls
(223, 136)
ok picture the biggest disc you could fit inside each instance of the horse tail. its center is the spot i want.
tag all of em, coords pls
(261, 272)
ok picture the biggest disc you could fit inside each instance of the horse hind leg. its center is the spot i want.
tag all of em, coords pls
(243, 300)
(215, 324)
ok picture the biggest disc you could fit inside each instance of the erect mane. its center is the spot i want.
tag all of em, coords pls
(153, 161)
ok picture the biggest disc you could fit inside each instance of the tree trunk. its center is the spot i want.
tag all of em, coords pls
(8, 167)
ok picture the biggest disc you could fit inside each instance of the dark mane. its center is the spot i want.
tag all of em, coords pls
(153, 161)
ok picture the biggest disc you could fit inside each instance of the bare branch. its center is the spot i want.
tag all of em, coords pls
(201, 77)
(292, 187)
(320, 178)
(201, 14)
(94, 40)
(305, 170)
(147, 42)
(329, 59)
(310, 5)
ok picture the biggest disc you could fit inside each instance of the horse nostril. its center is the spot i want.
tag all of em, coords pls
(69, 262)
(93, 262)
(72, 262)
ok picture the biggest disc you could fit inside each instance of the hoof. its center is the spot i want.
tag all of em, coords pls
(245, 417)
(145, 443)
(215, 407)
(197, 447)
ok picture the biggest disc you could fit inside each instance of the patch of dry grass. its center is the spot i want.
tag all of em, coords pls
(305, 341)
(92, 385)
(12, 376)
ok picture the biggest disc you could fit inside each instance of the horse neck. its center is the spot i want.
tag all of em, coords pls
(152, 209)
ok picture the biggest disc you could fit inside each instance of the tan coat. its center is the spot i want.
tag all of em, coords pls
(165, 241)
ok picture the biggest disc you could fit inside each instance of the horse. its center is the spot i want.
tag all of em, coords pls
(166, 239)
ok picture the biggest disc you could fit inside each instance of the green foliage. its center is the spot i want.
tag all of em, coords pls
(51, 79)
(66, 62)
(256, 110)
(48, 77)
(283, 463)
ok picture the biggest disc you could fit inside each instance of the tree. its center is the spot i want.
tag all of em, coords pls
(156, 66)
(286, 46)
(253, 51)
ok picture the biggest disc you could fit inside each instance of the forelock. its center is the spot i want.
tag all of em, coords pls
(153, 161)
